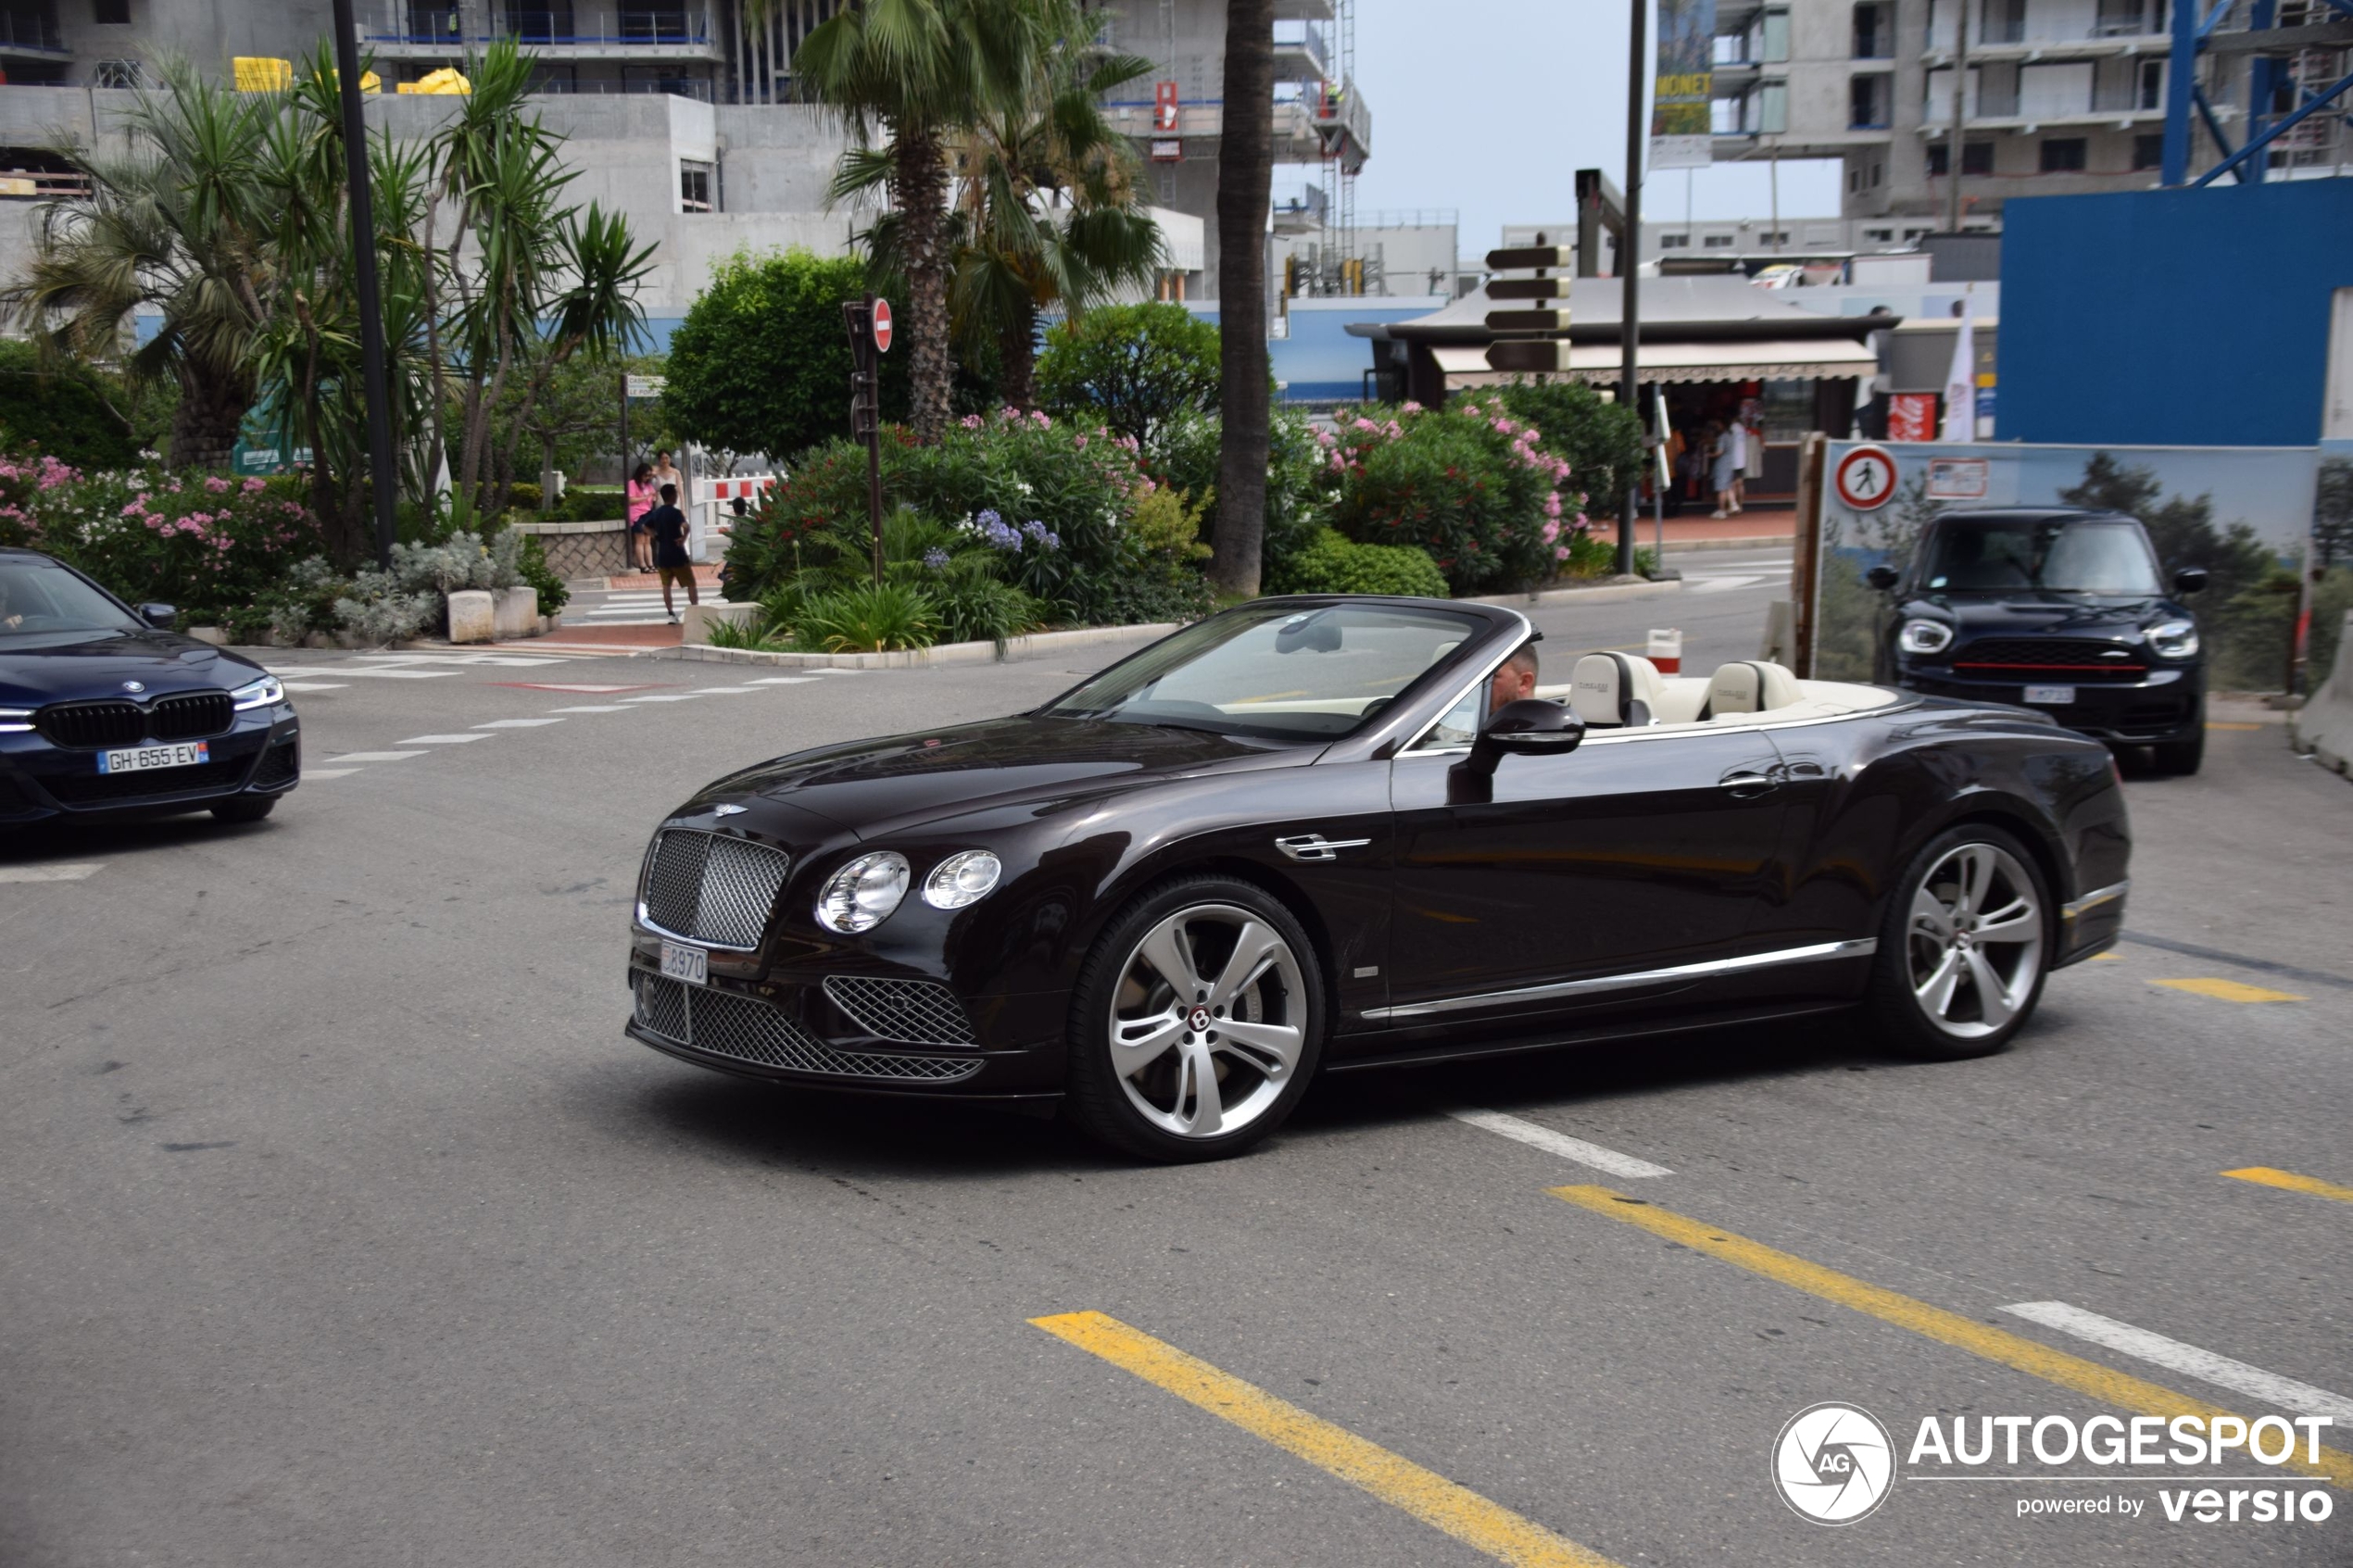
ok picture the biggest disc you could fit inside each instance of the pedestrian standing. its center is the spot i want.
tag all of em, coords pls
(666, 526)
(664, 473)
(1738, 436)
(1722, 468)
(1756, 456)
(636, 504)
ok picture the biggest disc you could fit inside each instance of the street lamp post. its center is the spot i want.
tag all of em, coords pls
(1629, 264)
(363, 256)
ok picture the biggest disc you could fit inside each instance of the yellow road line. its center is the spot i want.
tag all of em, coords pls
(2228, 991)
(2289, 1180)
(1428, 1497)
(2222, 725)
(1951, 1328)
(2107, 958)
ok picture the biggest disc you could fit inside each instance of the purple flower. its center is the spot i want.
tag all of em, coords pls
(936, 557)
(1043, 534)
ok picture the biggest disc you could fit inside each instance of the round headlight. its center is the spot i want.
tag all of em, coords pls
(963, 878)
(2174, 639)
(1925, 636)
(862, 894)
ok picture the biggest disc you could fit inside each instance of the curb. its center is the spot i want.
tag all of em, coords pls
(1748, 542)
(1601, 593)
(1037, 643)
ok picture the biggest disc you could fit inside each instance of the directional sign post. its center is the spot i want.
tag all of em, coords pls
(868, 322)
(1537, 340)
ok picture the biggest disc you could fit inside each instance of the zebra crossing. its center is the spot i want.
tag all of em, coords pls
(630, 607)
(1703, 572)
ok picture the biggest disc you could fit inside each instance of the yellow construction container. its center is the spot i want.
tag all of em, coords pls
(445, 81)
(255, 73)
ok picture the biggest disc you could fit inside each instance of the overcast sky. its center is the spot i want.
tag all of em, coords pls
(1489, 106)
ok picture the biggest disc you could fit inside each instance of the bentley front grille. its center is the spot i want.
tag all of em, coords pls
(725, 1024)
(707, 888)
(916, 1012)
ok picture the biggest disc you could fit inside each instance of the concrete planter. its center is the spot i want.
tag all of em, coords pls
(695, 620)
(212, 634)
(515, 613)
(473, 615)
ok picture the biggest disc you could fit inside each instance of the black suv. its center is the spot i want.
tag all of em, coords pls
(2053, 608)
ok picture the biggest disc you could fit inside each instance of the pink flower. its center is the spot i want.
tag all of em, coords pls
(254, 486)
(217, 485)
(1560, 552)
(970, 421)
(1553, 505)
(1409, 407)
(133, 508)
(1037, 417)
(1082, 444)
(1552, 531)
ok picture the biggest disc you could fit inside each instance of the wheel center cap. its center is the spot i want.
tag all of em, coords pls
(1199, 1020)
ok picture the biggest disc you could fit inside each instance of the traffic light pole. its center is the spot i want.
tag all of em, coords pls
(373, 377)
(1629, 266)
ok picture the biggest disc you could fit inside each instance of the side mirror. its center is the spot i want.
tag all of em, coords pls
(160, 617)
(1312, 634)
(1530, 727)
(2189, 579)
(1882, 577)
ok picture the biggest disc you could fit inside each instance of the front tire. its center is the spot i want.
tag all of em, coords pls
(1963, 948)
(1195, 1024)
(246, 809)
(2183, 757)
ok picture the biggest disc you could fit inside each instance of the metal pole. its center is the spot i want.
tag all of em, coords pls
(363, 254)
(628, 541)
(1629, 262)
(871, 360)
(2181, 86)
(1953, 157)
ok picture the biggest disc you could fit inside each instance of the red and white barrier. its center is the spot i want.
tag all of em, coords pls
(1666, 650)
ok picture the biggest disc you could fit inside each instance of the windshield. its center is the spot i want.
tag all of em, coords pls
(2060, 554)
(1278, 673)
(38, 596)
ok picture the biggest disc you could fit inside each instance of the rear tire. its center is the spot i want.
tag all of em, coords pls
(246, 809)
(1197, 1023)
(1963, 948)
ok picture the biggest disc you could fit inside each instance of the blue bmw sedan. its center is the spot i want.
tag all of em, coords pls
(106, 711)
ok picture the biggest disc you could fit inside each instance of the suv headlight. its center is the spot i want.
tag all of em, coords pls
(862, 894)
(264, 692)
(15, 721)
(1924, 637)
(963, 878)
(2174, 639)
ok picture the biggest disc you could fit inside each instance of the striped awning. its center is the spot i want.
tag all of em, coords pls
(1765, 359)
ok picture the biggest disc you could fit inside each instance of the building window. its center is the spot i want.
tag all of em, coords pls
(2152, 84)
(1911, 234)
(1774, 237)
(1715, 242)
(117, 73)
(2063, 155)
(1772, 37)
(110, 13)
(2004, 22)
(1977, 158)
(1879, 236)
(1874, 39)
(694, 187)
(1867, 98)
(1772, 107)
(2149, 152)
(1673, 242)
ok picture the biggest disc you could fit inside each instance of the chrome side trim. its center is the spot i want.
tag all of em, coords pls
(1315, 847)
(2094, 899)
(1858, 949)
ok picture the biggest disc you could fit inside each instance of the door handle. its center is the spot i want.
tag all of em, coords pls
(1746, 785)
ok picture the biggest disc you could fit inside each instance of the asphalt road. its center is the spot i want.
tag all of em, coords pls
(343, 1225)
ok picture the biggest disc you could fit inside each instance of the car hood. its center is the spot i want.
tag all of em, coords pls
(876, 785)
(94, 664)
(2029, 610)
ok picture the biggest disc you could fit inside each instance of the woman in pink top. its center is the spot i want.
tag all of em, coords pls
(640, 501)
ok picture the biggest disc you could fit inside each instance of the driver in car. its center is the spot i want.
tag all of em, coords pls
(1514, 679)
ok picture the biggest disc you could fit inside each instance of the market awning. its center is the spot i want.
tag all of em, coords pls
(1762, 359)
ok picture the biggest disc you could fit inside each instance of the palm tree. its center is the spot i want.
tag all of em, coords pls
(175, 225)
(1245, 184)
(915, 72)
(1048, 207)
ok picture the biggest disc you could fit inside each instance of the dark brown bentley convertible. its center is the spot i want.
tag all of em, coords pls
(1324, 833)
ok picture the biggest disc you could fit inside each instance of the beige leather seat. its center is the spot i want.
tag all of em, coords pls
(1615, 689)
(1750, 686)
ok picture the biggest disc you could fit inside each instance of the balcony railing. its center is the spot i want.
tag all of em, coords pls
(18, 30)
(1303, 51)
(621, 28)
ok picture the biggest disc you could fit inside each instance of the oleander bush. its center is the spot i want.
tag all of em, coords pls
(1333, 563)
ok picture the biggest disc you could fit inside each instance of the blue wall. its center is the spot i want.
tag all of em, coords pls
(2193, 318)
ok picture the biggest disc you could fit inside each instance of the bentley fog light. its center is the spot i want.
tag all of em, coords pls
(963, 878)
(862, 894)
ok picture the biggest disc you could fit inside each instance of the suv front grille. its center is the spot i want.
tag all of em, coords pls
(725, 1024)
(2032, 659)
(95, 726)
(707, 888)
(916, 1012)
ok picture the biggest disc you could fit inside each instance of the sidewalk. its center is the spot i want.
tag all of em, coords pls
(706, 576)
(617, 639)
(1696, 529)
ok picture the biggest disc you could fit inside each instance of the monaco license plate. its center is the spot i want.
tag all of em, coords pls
(2053, 696)
(143, 758)
(682, 962)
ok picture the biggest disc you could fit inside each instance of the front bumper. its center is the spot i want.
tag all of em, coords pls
(2169, 705)
(2090, 925)
(260, 754)
(793, 1027)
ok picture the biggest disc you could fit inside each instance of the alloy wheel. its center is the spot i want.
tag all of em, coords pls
(1208, 1021)
(1974, 943)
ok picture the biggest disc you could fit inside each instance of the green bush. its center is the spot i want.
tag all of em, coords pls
(1469, 484)
(524, 499)
(64, 408)
(584, 502)
(1182, 454)
(872, 618)
(1332, 563)
(1601, 441)
(1132, 367)
(537, 573)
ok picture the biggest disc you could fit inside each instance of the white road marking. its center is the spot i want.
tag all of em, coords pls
(835, 670)
(313, 685)
(438, 740)
(374, 757)
(63, 870)
(504, 660)
(309, 773)
(665, 697)
(1718, 584)
(721, 691)
(2221, 1370)
(780, 680)
(578, 688)
(1551, 1142)
(609, 707)
(380, 674)
(514, 724)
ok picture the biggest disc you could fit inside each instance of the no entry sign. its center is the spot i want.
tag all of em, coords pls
(882, 326)
(1864, 479)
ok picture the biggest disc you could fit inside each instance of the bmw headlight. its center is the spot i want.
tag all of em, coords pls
(1924, 637)
(2174, 639)
(963, 878)
(862, 894)
(264, 692)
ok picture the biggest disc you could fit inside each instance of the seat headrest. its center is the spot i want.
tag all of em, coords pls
(1614, 688)
(1751, 686)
